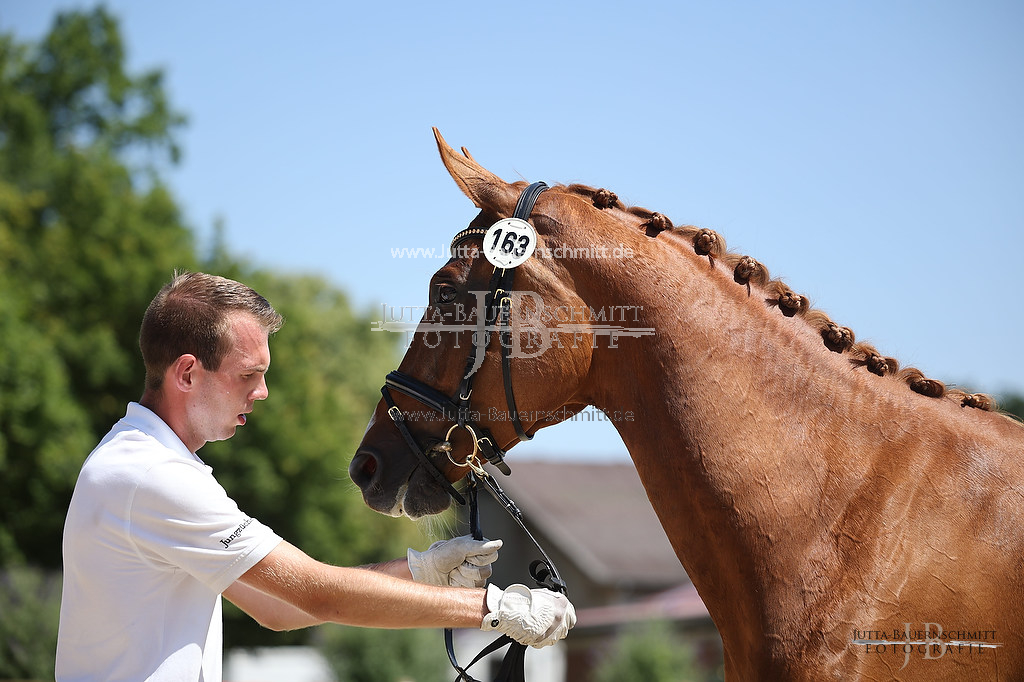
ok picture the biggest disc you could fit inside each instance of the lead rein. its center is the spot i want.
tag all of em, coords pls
(542, 570)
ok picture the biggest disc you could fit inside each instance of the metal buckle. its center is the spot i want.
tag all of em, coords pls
(472, 461)
(395, 414)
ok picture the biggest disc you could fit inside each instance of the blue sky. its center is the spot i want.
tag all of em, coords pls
(870, 153)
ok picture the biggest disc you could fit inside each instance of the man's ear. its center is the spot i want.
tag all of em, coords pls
(182, 371)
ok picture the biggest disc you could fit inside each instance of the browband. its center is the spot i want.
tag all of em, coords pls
(468, 233)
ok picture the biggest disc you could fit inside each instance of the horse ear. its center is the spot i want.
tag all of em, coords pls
(485, 189)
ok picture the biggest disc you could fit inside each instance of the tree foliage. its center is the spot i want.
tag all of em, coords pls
(1013, 404)
(86, 238)
(649, 652)
(29, 610)
(88, 233)
(362, 655)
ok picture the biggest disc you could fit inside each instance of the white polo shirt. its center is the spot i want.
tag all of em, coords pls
(150, 542)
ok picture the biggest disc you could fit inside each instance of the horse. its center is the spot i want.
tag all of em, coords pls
(841, 517)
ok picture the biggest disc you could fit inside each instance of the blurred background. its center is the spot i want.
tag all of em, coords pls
(870, 153)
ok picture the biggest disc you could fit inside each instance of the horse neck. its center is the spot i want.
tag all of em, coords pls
(739, 416)
(720, 361)
(772, 462)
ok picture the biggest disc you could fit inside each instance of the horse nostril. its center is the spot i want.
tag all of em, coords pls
(363, 468)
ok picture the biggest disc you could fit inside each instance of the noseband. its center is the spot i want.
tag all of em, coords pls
(456, 408)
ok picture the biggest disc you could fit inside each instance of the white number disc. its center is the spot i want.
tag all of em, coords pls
(509, 242)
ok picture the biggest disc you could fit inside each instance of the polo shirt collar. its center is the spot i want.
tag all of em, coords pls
(147, 421)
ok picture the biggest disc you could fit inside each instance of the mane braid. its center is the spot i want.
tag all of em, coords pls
(751, 273)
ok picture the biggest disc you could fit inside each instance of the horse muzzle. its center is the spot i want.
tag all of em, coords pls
(386, 492)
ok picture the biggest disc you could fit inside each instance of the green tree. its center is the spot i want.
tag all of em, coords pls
(649, 652)
(1014, 404)
(88, 233)
(29, 609)
(362, 655)
(87, 236)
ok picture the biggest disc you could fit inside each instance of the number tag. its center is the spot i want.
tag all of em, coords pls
(509, 242)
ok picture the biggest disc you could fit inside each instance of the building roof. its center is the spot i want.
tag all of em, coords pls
(599, 515)
(680, 604)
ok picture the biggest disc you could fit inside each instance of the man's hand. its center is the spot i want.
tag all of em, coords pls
(537, 617)
(459, 562)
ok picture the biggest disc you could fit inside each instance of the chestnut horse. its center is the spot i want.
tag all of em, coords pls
(841, 518)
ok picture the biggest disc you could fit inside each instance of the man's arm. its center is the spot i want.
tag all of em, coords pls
(268, 611)
(288, 589)
(274, 614)
(398, 568)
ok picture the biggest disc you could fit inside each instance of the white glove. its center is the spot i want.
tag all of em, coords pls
(536, 617)
(459, 562)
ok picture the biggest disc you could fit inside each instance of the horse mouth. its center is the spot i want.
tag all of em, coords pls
(418, 507)
(415, 496)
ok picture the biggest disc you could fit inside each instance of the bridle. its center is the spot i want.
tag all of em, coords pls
(456, 409)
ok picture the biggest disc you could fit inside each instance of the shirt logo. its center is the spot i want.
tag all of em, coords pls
(238, 532)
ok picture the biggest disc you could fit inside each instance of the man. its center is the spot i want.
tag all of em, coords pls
(152, 541)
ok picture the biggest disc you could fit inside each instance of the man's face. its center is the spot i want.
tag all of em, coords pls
(227, 395)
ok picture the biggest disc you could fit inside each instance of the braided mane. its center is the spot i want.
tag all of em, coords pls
(750, 273)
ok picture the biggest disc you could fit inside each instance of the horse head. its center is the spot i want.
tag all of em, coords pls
(546, 374)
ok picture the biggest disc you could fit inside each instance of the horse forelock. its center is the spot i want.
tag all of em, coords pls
(774, 293)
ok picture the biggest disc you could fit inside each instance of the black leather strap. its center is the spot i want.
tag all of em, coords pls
(399, 419)
(542, 570)
(505, 332)
(514, 661)
(513, 665)
(455, 412)
(429, 396)
(524, 207)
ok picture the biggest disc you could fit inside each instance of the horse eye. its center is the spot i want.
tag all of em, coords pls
(446, 293)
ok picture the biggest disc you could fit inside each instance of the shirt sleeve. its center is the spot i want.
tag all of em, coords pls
(182, 518)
